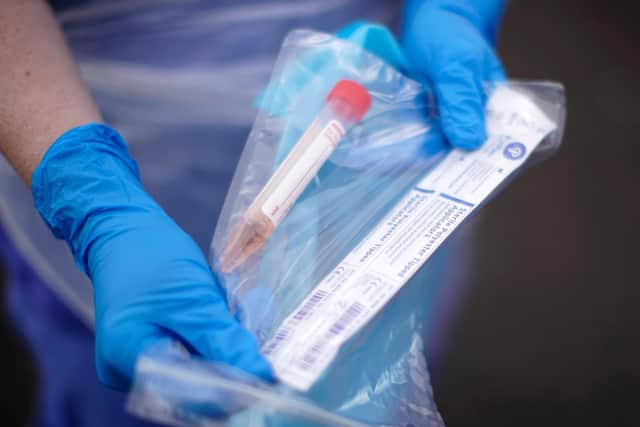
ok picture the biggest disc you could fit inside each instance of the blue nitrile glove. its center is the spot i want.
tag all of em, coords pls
(452, 43)
(151, 281)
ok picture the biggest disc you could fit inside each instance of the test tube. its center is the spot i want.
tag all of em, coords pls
(346, 104)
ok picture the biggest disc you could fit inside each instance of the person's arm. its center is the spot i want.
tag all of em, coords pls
(42, 93)
(152, 285)
(452, 42)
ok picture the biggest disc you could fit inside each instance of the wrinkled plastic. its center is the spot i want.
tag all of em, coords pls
(380, 375)
(173, 389)
(294, 173)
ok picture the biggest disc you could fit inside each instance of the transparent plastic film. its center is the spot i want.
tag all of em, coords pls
(333, 280)
(172, 388)
(345, 105)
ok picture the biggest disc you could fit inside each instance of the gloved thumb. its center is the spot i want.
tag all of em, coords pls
(460, 97)
(461, 91)
(456, 58)
(212, 332)
(208, 331)
(115, 365)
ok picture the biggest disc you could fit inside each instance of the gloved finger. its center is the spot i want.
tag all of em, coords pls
(460, 98)
(493, 68)
(168, 363)
(210, 330)
(115, 365)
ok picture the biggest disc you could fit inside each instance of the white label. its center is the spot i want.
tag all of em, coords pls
(302, 171)
(359, 287)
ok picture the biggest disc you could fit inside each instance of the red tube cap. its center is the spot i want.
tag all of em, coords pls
(354, 96)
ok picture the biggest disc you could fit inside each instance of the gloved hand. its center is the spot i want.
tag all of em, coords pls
(151, 281)
(451, 42)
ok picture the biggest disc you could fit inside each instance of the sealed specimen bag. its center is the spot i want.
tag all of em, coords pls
(345, 190)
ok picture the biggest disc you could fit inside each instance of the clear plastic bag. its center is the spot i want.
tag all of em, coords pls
(376, 374)
(173, 389)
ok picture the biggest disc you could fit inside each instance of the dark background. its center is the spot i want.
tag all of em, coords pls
(548, 334)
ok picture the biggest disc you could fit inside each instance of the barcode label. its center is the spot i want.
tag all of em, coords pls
(276, 342)
(311, 303)
(310, 358)
(377, 268)
(346, 319)
(280, 337)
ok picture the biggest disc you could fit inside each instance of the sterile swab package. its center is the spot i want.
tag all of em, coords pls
(341, 204)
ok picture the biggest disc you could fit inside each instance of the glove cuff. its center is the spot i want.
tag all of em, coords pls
(86, 171)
